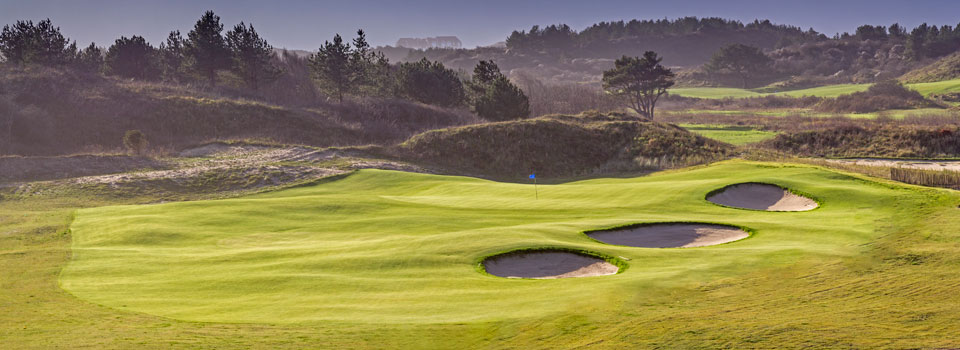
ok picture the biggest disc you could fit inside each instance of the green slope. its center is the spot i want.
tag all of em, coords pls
(732, 134)
(822, 91)
(393, 247)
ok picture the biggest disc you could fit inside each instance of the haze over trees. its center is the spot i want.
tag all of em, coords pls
(639, 81)
(430, 83)
(743, 61)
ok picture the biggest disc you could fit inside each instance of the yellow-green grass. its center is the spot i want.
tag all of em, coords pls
(732, 134)
(394, 247)
(783, 112)
(821, 91)
(875, 267)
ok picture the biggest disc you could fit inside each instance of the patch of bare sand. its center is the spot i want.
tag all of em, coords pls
(547, 265)
(762, 197)
(671, 235)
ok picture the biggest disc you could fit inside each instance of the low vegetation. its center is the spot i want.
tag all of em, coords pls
(733, 134)
(561, 146)
(877, 141)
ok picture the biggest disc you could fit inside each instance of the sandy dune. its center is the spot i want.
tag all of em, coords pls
(547, 264)
(762, 197)
(671, 235)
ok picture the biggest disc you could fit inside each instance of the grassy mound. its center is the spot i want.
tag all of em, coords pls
(560, 146)
(946, 68)
(50, 112)
(884, 141)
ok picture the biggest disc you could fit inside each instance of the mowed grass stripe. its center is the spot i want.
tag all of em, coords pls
(926, 89)
(393, 247)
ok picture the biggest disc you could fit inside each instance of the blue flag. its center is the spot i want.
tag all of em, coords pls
(533, 176)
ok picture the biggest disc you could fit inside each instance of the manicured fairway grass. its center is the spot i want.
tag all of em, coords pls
(732, 134)
(821, 91)
(393, 247)
(898, 289)
(784, 112)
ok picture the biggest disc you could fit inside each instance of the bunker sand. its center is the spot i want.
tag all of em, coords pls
(547, 265)
(671, 235)
(762, 197)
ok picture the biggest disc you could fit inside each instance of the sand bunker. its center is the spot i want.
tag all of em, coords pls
(547, 264)
(761, 197)
(670, 235)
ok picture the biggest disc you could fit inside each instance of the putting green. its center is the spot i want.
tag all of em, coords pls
(393, 247)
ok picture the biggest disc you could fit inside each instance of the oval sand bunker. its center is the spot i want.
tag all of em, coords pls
(761, 197)
(546, 264)
(670, 235)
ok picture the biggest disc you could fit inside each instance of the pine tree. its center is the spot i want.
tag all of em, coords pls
(333, 67)
(252, 56)
(26, 43)
(494, 96)
(172, 57)
(362, 61)
(640, 81)
(90, 59)
(206, 48)
(132, 58)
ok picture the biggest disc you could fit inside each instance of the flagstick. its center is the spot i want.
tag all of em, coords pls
(535, 191)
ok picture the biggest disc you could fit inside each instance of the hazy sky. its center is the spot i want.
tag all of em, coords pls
(302, 24)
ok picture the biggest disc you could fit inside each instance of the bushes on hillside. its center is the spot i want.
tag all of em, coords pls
(431, 83)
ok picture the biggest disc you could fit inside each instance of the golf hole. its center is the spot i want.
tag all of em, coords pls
(547, 264)
(758, 196)
(670, 235)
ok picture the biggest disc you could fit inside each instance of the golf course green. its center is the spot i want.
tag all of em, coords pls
(382, 246)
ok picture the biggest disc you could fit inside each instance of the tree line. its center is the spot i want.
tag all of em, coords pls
(339, 69)
(562, 37)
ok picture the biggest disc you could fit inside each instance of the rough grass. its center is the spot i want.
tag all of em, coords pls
(946, 68)
(733, 134)
(560, 146)
(45, 111)
(878, 141)
(887, 283)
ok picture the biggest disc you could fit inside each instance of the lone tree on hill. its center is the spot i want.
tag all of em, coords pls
(640, 81)
(494, 96)
(206, 47)
(252, 56)
(741, 60)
